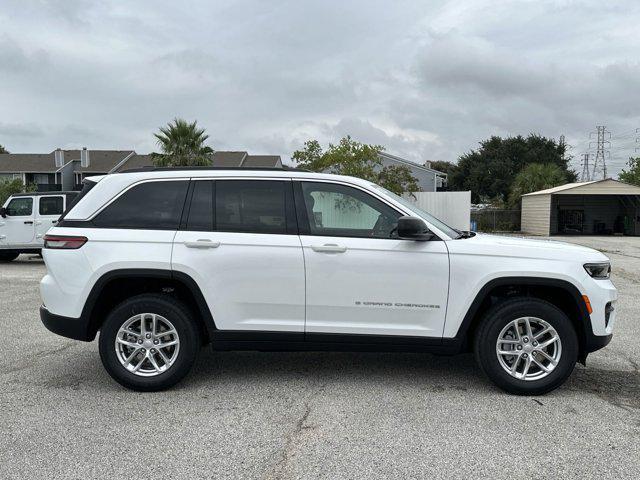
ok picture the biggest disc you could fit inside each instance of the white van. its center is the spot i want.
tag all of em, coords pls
(26, 217)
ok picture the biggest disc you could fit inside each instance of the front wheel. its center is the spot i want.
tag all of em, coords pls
(526, 346)
(149, 342)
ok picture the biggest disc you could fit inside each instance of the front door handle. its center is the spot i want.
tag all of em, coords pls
(329, 248)
(202, 243)
(28, 222)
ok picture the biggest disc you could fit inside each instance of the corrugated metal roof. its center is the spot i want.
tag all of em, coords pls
(608, 186)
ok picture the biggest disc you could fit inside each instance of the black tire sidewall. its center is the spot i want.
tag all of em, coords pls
(173, 311)
(498, 317)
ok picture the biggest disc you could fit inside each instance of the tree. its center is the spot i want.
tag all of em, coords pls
(534, 177)
(9, 187)
(356, 159)
(445, 167)
(490, 171)
(633, 174)
(182, 145)
(3, 150)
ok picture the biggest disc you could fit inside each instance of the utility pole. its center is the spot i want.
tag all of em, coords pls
(602, 151)
(585, 168)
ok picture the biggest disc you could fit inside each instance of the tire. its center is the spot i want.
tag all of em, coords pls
(170, 314)
(541, 315)
(8, 256)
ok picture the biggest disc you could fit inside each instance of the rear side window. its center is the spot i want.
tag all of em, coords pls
(150, 205)
(50, 206)
(20, 207)
(251, 206)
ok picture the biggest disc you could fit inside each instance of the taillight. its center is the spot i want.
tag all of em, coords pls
(63, 242)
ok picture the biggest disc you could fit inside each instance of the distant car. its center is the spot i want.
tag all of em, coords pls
(26, 217)
(163, 261)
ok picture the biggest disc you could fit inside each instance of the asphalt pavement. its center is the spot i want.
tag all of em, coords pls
(312, 415)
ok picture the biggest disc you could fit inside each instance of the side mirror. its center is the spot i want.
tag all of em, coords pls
(413, 228)
(3, 212)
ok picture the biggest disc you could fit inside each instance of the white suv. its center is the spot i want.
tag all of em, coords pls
(161, 261)
(26, 217)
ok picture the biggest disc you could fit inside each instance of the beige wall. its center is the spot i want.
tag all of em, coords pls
(536, 213)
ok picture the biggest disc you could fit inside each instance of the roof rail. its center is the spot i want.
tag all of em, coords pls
(169, 169)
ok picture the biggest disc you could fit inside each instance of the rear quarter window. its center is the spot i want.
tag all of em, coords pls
(150, 205)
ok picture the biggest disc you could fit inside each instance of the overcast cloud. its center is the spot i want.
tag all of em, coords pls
(426, 79)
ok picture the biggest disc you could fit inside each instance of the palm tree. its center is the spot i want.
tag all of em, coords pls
(534, 177)
(182, 145)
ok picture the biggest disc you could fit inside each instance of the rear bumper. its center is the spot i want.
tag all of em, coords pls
(75, 328)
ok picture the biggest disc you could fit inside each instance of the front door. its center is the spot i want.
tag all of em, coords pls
(362, 279)
(17, 227)
(50, 207)
(240, 244)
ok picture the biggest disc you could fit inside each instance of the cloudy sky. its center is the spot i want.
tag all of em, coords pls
(426, 79)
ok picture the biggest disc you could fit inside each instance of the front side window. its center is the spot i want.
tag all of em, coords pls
(251, 206)
(150, 205)
(20, 207)
(50, 206)
(342, 211)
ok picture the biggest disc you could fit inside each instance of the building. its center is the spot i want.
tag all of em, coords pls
(243, 159)
(65, 169)
(602, 207)
(429, 180)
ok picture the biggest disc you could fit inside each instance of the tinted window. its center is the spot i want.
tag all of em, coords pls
(150, 205)
(20, 207)
(201, 211)
(338, 210)
(50, 206)
(250, 206)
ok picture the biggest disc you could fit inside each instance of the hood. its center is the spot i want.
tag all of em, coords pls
(503, 246)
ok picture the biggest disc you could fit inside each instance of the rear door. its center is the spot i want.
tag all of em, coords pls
(240, 244)
(50, 207)
(17, 227)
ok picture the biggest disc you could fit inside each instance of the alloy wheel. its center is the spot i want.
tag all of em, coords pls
(147, 344)
(528, 348)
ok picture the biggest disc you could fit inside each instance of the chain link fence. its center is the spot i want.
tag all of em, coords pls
(490, 220)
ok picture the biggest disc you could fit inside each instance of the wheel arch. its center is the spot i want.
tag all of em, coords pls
(115, 286)
(561, 293)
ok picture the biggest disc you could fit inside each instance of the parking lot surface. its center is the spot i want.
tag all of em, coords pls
(312, 415)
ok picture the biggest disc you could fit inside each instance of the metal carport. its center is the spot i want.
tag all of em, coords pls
(602, 207)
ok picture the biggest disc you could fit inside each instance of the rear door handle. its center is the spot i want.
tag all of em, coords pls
(329, 248)
(202, 243)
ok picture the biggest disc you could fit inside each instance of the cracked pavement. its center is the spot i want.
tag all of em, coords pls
(312, 415)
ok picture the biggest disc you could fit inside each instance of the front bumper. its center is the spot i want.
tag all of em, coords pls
(75, 328)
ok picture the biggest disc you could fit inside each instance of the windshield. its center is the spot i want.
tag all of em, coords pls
(446, 229)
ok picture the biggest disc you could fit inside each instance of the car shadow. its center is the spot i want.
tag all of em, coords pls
(360, 371)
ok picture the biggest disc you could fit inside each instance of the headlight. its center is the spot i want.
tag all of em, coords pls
(600, 271)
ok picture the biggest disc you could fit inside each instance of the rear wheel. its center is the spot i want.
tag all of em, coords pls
(8, 256)
(526, 346)
(149, 342)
